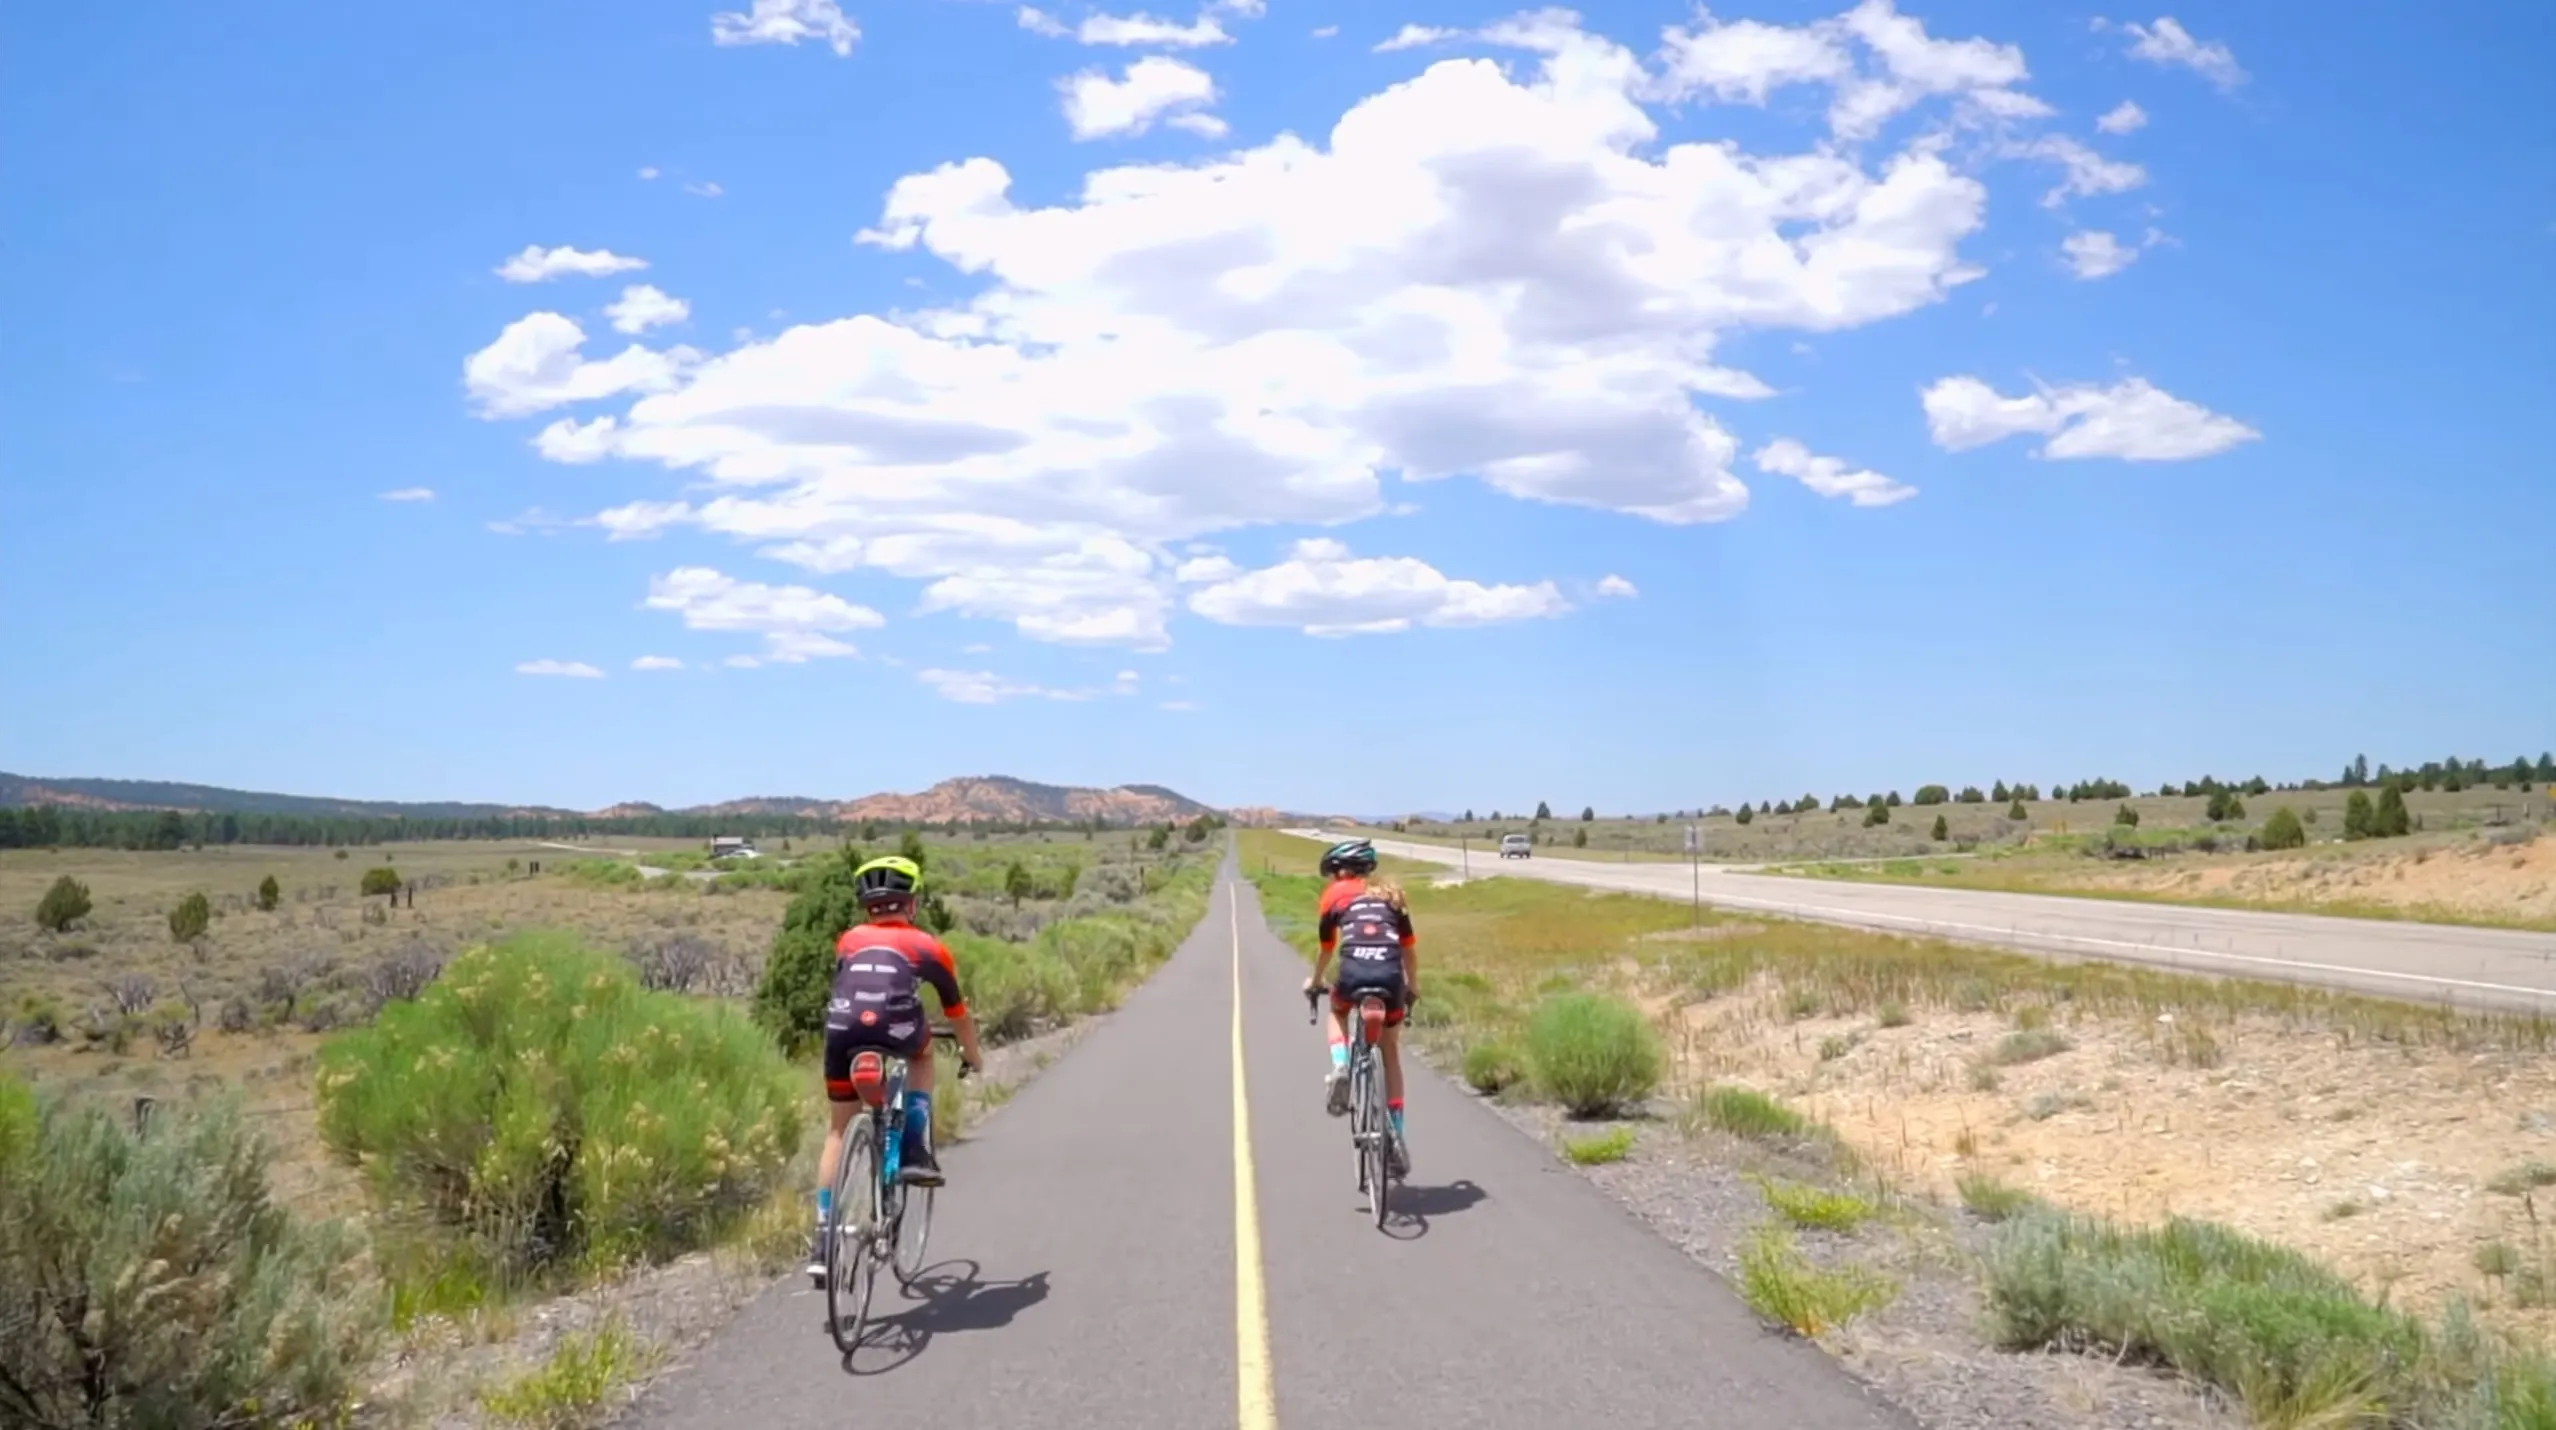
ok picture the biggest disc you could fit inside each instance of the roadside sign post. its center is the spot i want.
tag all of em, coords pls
(1695, 870)
(1464, 848)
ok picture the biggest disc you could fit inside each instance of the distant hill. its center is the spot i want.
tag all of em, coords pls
(989, 798)
(84, 793)
(994, 799)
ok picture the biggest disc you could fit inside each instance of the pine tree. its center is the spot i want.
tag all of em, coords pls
(1744, 815)
(1942, 831)
(2016, 810)
(2358, 816)
(269, 894)
(1587, 813)
(2392, 821)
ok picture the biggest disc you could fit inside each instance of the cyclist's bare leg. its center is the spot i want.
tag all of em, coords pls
(1336, 1084)
(1392, 1048)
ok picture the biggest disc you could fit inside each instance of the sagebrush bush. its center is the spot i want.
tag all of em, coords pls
(1593, 1054)
(149, 1281)
(2283, 830)
(2289, 1339)
(538, 1100)
(64, 904)
(1493, 1066)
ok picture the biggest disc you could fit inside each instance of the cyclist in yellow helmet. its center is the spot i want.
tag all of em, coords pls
(880, 968)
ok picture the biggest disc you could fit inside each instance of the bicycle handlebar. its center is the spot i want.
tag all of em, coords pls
(950, 1035)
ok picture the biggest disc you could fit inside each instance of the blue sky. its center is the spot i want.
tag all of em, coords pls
(1166, 435)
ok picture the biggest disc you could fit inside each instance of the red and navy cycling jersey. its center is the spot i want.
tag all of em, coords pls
(927, 958)
(1349, 911)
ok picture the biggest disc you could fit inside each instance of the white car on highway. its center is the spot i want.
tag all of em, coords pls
(1516, 846)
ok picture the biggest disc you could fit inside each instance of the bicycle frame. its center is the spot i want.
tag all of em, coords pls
(1369, 1127)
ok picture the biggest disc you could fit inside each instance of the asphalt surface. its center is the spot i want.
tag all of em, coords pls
(1089, 1272)
(2474, 968)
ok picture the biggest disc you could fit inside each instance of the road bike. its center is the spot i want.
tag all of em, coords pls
(1370, 1123)
(875, 1217)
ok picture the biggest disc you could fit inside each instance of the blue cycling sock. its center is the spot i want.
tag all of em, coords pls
(1396, 1114)
(1339, 1056)
(825, 1203)
(918, 1123)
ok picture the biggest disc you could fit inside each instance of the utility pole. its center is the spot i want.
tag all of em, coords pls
(1464, 850)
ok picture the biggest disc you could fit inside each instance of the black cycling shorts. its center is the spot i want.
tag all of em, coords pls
(1366, 971)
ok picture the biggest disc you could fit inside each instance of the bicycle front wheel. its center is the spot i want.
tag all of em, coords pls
(913, 1234)
(850, 1268)
(1378, 1146)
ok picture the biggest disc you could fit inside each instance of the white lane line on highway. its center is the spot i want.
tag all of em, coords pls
(1997, 934)
(1256, 1399)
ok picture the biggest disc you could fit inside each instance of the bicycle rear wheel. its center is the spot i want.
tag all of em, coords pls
(850, 1268)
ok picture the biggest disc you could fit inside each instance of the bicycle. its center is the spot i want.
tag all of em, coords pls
(872, 1147)
(1370, 1123)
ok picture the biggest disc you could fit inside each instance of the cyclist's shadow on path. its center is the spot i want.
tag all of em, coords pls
(953, 1296)
(1408, 1209)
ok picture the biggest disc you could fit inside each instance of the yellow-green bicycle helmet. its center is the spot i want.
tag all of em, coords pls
(887, 877)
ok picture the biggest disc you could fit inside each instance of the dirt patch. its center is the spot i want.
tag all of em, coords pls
(2379, 1159)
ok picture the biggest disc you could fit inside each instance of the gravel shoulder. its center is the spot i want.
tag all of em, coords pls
(1924, 1350)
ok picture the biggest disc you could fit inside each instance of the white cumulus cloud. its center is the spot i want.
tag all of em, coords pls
(2087, 171)
(1618, 588)
(984, 687)
(2123, 118)
(539, 362)
(2097, 254)
(2167, 43)
(1829, 476)
(656, 662)
(642, 306)
(2132, 420)
(1878, 62)
(1492, 271)
(1324, 591)
(1412, 37)
(797, 623)
(1098, 107)
(1146, 30)
(786, 22)
(537, 264)
(407, 494)
(574, 669)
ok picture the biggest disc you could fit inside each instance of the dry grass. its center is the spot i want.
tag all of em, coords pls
(1843, 835)
(2501, 878)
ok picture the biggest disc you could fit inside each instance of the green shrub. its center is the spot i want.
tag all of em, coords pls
(2029, 1046)
(798, 976)
(1993, 1200)
(269, 894)
(1942, 830)
(2290, 1340)
(1893, 1014)
(537, 1100)
(576, 1384)
(2283, 830)
(1597, 1151)
(377, 882)
(1593, 1054)
(64, 904)
(1746, 1112)
(1493, 1066)
(191, 919)
(1816, 1207)
(150, 1280)
(1782, 1285)
(2391, 821)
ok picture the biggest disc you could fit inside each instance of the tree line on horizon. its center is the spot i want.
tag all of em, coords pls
(47, 826)
(2452, 775)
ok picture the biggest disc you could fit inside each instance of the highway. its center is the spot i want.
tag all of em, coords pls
(1163, 1232)
(2474, 968)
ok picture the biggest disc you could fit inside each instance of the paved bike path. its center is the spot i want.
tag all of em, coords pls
(1097, 1216)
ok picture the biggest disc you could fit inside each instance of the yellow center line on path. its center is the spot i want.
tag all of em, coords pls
(1256, 1398)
